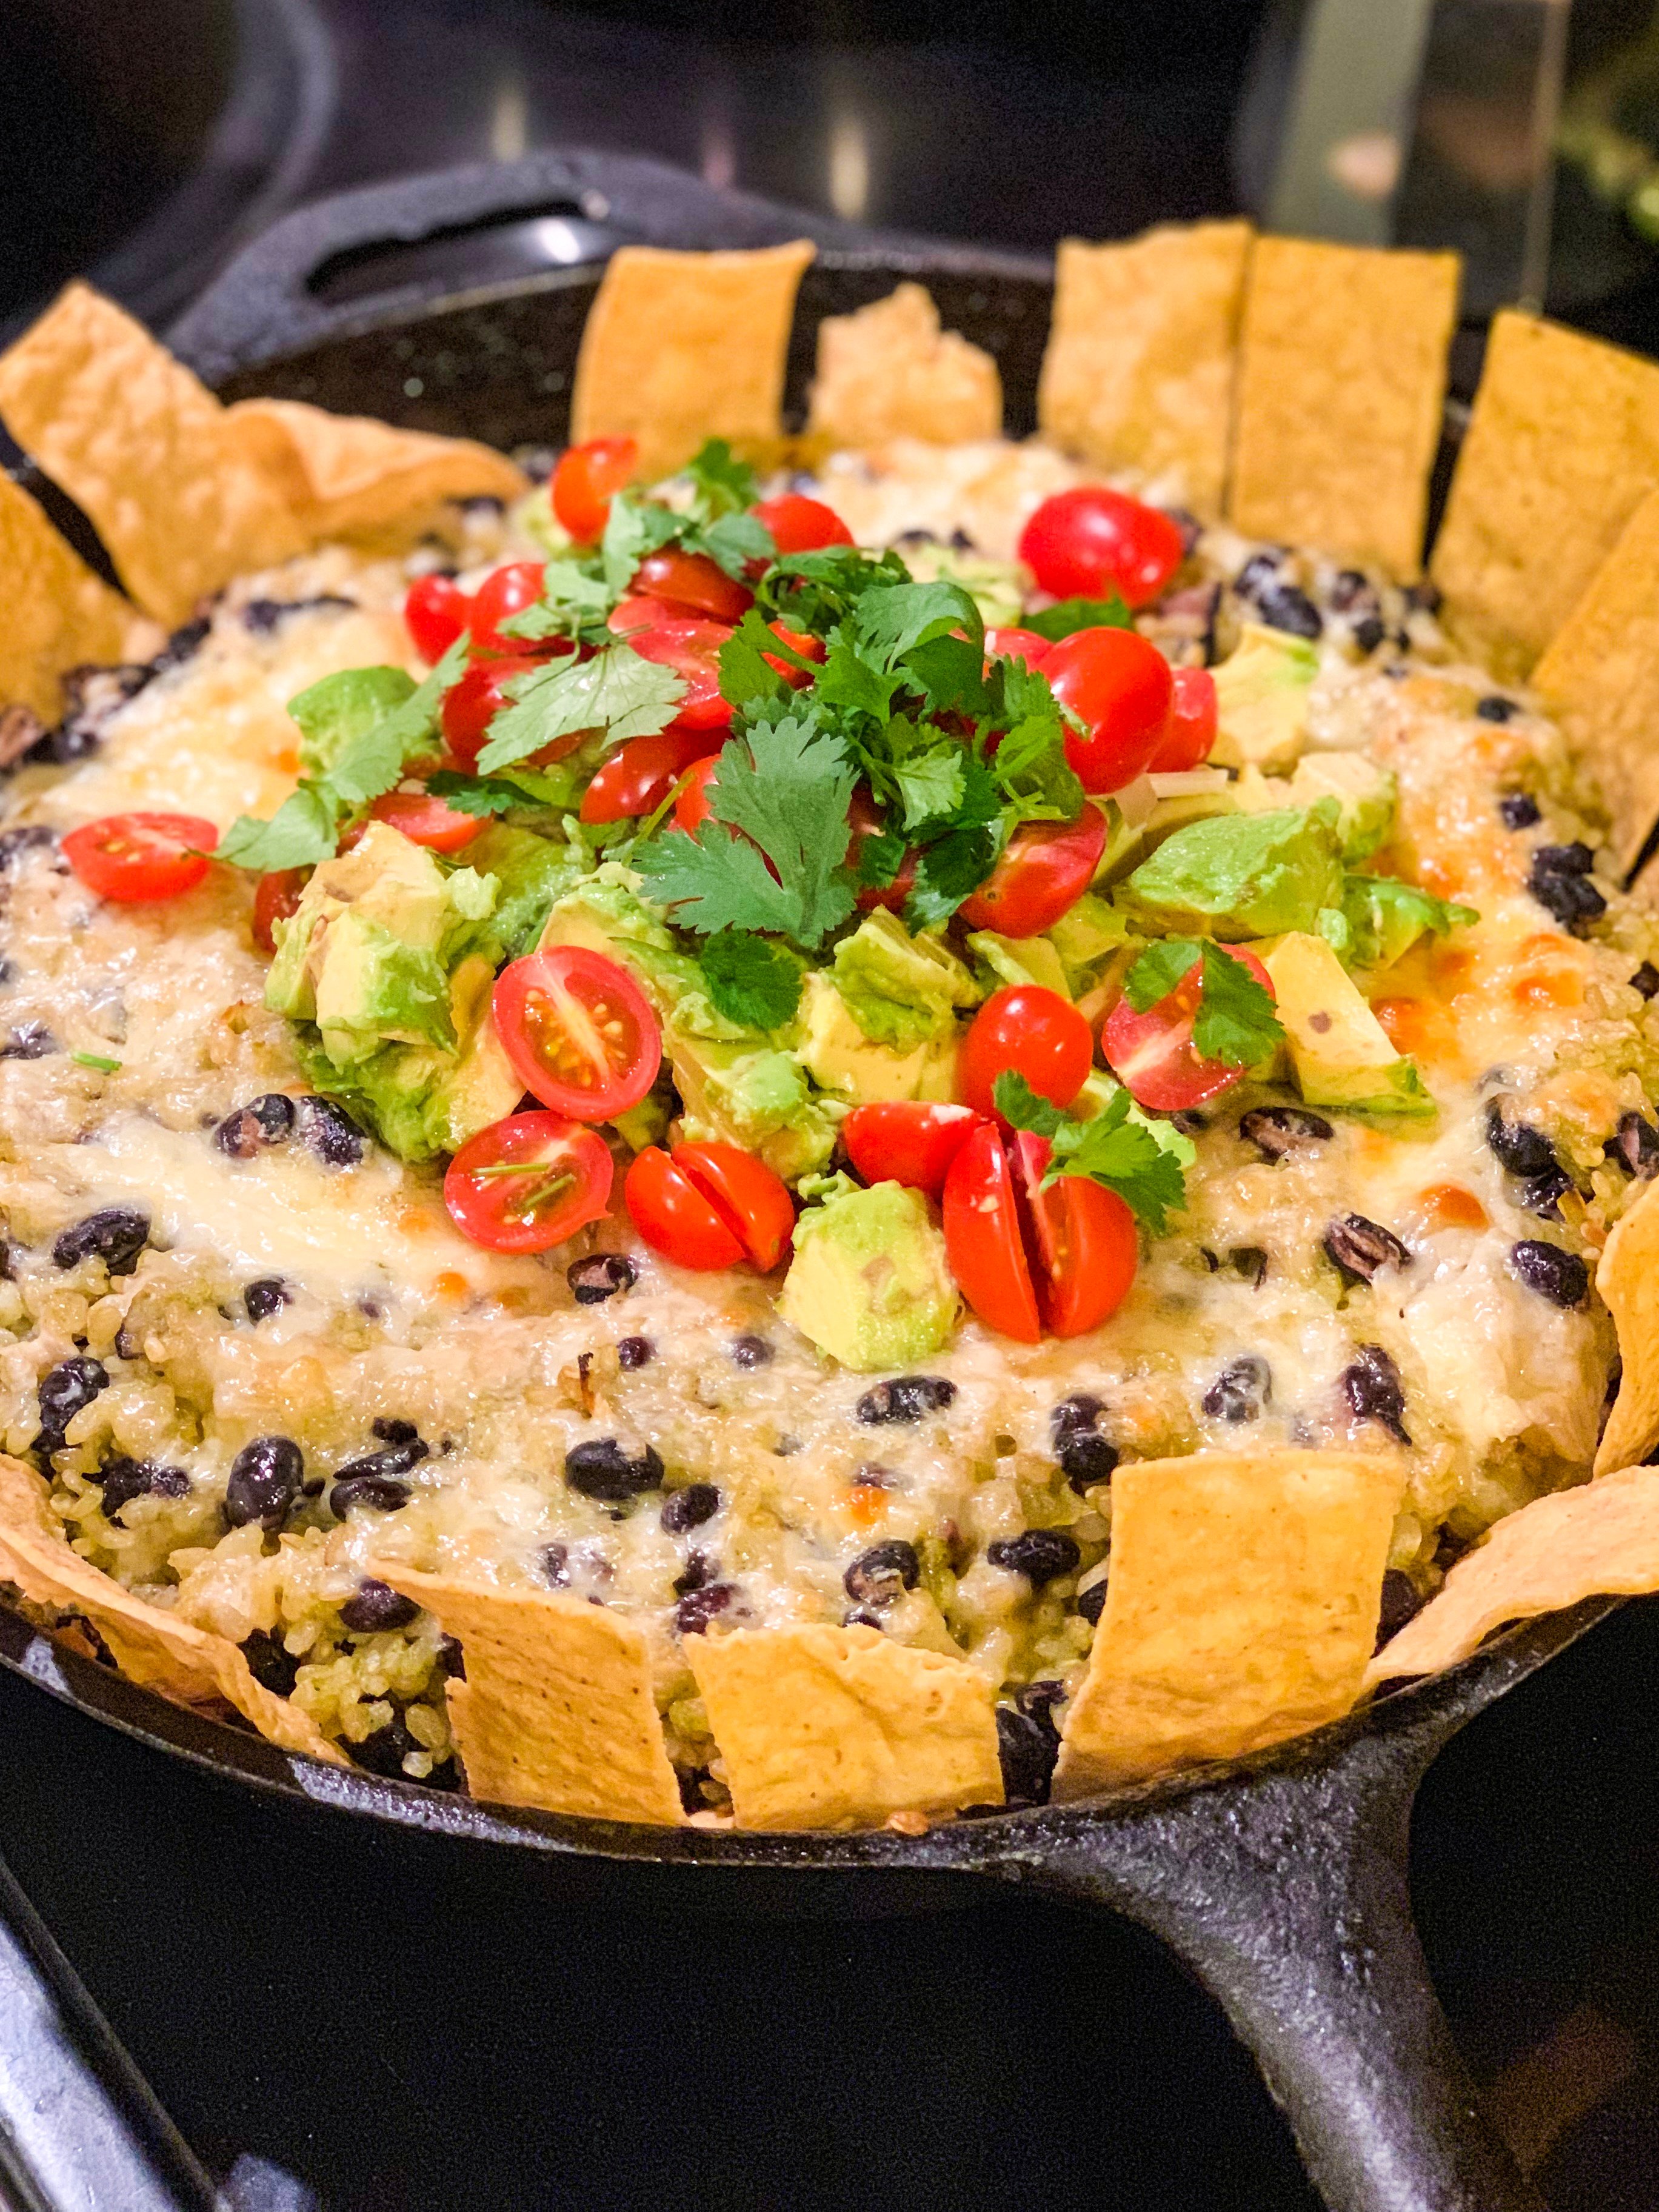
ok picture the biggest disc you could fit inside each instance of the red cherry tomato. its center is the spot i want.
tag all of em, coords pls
(586, 479)
(637, 611)
(639, 776)
(505, 591)
(904, 1142)
(471, 704)
(691, 649)
(799, 524)
(1083, 1243)
(1018, 645)
(865, 817)
(1047, 868)
(799, 642)
(1119, 686)
(435, 612)
(1153, 1054)
(579, 1030)
(528, 1182)
(1088, 542)
(276, 897)
(1191, 731)
(131, 858)
(425, 820)
(982, 1239)
(691, 807)
(1035, 1033)
(691, 583)
(709, 1205)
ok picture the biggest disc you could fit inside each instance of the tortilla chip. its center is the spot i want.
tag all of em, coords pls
(348, 476)
(1139, 370)
(1341, 380)
(191, 1665)
(143, 447)
(1627, 1280)
(836, 1728)
(888, 371)
(1599, 679)
(58, 613)
(1562, 449)
(1241, 1610)
(557, 1709)
(1601, 1539)
(681, 347)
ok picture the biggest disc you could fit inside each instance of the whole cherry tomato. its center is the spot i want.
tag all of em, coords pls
(503, 593)
(799, 524)
(1034, 1032)
(1191, 731)
(639, 776)
(471, 704)
(1089, 541)
(133, 857)
(580, 1032)
(709, 1205)
(276, 897)
(435, 612)
(528, 1182)
(692, 650)
(584, 482)
(1044, 870)
(693, 584)
(1118, 685)
(425, 820)
(1153, 1054)
(903, 1141)
(1018, 645)
(691, 808)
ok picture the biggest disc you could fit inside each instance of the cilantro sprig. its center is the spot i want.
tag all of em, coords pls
(616, 691)
(1119, 1153)
(1236, 1022)
(751, 980)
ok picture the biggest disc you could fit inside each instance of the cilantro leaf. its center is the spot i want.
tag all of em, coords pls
(302, 831)
(373, 762)
(718, 880)
(735, 540)
(1236, 1022)
(1024, 1107)
(947, 871)
(1067, 615)
(633, 528)
(815, 591)
(485, 795)
(1158, 971)
(745, 673)
(750, 979)
(723, 483)
(949, 673)
(341, 709)
(880, 858)
(848, 679)
(616, 690)
(933, 784)
(889, 620)
(1113, 1150)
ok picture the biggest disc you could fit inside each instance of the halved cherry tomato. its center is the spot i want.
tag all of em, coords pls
(1153, 1054)
(504, 592)
(799, 642)
(692, 650)
(1089, 541)
(1034, 1032)
(131, 858)
(982, 1239)
(580, 1032)
(426, 820)
(528, 1182)
(691, 807)
(865, 817)
(905, 1142)
(639, 611)
(799, 524)
(692, 583)
(640, 774)
(1045, 870)
(1191, 731)
(472, 702)
(1085, 1249)
(276, 897)
(584, 482)
(1119, 686)
(435, 612)
(1018, 645)
(709, 1205)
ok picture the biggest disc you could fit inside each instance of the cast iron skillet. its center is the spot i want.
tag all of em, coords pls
(1278, 1879)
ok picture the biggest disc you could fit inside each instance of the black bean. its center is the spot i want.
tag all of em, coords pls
(1565, 891)
(1250, 1262)
(1495, 708)
(375, 1606)
(264, 1481)
(1087, 1461)
(601, 1468)
(1646, 980)
(452, 1660)
(1189, 1121)
(383, 1493)
(384, 1752)
(1368, 632)
(116, 1235)
(751, 1351)
(1372, 1387)
(266, 1297)
(1557, 1275)
(391, 1459)
(634, 1352)
(1519, 809)
(1079, 1415)
(1637, 1145)
(696, 1574)
(1284, 607)
(184, 644)
(1278, 1131)
(1091, 1602)
(1357, 1248)
(63, 1392)
(907, 1398)
(555, 1566)
(1039, 1554)
(1521, 1149)
(1574, 859)
(698, 1607)
(1027, 1746)
(872, 1475)
(32, 1041)
(328, 1130)
(27, 837)
(270, 1663)
(1350, 588)
(598, 1276)
(859, 1616)
(91, 696)
(390, 1431)
(690, 1507)
(266, 1120)
(1243, 1387)
(1542, 1195)
(263, 616)
(1259, 571)
(1401, 1600)
(883, 1573)
(122, 1479)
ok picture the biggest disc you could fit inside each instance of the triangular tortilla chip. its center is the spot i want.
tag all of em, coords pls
(1627, 1279)
(348, 476)
(1600, 1539)
(1341, 380)
(1241, 1609)
(557, 1709)
(1139, 371)
(836, 1728)
(1562, 449)
(139, 444)
(191, 1665)
(681, 347)
(888, 371)
(57, 613)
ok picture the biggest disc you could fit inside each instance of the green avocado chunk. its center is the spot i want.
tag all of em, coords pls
(1238, 876)
(870, 1283)
(1261, 699)
(344, 706)
(1366, 794)
(903, 991)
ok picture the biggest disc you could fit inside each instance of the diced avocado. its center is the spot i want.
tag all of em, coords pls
(1339, 1051)
(1238, 876)
(604, 913)
(372, 988)
(1385, 919)
(752, 1096)
(1019, 960)
(870, 1283)
(996, 587)
(1131, 837)
(421, 1099)
(1088, 933)
(842, 1059)
(344, 706)
(903, 991)
(530, 873)
(1367, 796)
(1261, 699)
